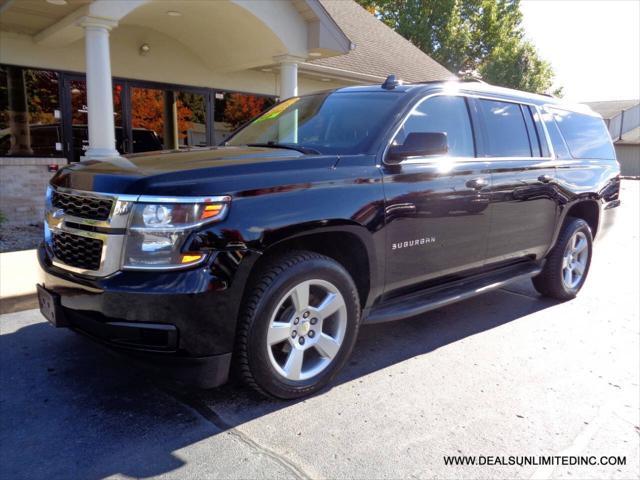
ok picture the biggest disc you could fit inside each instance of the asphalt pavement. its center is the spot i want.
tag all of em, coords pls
(504, 374)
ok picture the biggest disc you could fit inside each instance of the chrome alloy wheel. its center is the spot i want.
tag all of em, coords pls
(306, 329)
(574, 262)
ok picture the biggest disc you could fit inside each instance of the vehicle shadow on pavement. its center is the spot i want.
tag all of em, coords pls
(71, 410)
(382, 345)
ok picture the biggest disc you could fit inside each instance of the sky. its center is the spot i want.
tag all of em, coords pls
(592, 45)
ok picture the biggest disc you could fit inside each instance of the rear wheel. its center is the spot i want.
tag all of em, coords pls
(298, 325)
(568, 262)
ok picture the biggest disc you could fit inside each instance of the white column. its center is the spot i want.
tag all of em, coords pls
(288, 79)
(102, 140)
(288, 124)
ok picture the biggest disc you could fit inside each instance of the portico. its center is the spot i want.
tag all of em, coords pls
(267, 37)
(89, 79)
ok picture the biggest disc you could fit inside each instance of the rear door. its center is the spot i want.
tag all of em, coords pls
(436, 207)
(523, 198)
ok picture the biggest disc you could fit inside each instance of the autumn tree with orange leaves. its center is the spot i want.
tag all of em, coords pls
(241, 108)
(147, 107)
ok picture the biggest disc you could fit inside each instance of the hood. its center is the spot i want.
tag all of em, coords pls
(202, 171)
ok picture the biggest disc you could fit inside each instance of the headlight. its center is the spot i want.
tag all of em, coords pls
(157, 231)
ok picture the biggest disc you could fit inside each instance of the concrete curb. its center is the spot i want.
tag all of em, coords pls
(19, 274)
(18, 303)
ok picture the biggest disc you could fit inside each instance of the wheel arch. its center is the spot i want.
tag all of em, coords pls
(586, 209)
(349, 244)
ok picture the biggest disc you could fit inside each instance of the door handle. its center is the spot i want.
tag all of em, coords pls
(477, 183)
(545, 178)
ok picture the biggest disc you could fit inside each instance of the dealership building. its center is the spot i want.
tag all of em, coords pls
(82, 79)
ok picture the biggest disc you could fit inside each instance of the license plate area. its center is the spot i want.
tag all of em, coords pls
(49, 303)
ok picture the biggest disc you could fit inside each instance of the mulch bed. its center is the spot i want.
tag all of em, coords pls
(20, 237)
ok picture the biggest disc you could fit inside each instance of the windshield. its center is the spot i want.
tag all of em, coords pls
(327, 123)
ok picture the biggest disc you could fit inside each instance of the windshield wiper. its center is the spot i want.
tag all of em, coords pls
(285, 146)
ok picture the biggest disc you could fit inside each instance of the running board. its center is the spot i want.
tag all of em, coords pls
(441, 295)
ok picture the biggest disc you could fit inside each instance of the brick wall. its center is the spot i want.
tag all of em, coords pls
(23, 182)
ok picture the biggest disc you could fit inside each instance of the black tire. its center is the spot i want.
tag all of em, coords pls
(550, 282)
(268, 288)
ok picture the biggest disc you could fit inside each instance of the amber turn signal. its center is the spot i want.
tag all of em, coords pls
(211, 211)
(190, 258)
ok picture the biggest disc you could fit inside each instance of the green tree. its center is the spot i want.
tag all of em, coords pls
(482, 38)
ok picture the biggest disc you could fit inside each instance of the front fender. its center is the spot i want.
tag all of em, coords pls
(348, 198)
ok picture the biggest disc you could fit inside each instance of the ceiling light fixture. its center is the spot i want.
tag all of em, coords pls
(325, 79)
(57, 2)
(267, 69)
(173, 13)
(315, 54)
(145, 48)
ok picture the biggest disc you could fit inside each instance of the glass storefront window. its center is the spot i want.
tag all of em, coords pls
(167, 119)
(36, 121)
(148, 119)
(30, 117)
(192, 119)
(233, 110)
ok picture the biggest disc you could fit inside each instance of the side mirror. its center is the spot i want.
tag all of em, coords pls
(419, 144)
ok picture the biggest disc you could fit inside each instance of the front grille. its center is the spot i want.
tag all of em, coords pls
(77, 251)
(83, 207)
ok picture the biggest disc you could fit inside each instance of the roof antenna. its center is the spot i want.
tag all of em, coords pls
(391, 82)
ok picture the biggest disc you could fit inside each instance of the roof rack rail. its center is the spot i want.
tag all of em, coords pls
(461, 80)
(426, 82)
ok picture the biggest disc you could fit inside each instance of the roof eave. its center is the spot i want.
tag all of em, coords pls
(325, 36)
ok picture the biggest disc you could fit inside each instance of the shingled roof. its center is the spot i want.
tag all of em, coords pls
(379, 51)
(611, 108)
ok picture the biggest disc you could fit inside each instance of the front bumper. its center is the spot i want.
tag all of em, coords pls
(185, 319)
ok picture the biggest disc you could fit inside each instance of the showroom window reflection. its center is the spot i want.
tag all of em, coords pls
(232, 110)
(30, 115)
(43, 113)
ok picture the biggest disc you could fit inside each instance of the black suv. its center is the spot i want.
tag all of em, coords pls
(329, 211)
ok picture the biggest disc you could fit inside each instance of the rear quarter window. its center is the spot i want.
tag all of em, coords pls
(586, 136)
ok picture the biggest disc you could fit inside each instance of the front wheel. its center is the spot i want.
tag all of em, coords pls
(298, 325)
(568, 263)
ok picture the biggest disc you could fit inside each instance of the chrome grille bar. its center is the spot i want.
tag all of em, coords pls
(69, 221)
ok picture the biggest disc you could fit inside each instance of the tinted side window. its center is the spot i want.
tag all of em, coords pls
(442, 114)
(586, 136)
(559, 146)
(506, 132)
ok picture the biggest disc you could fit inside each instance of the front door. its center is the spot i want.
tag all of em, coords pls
(436, 207)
